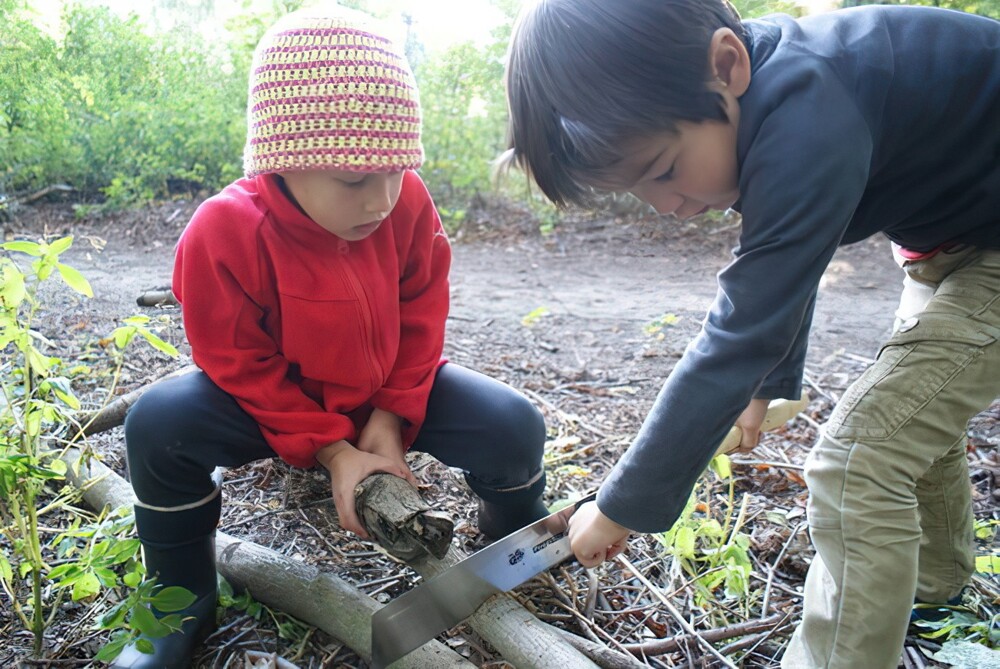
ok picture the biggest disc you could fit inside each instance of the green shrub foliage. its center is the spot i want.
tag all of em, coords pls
(124, 111)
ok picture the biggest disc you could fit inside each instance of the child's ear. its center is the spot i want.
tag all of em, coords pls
(729, 61)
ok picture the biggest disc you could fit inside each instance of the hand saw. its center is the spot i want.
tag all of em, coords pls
(445, 600)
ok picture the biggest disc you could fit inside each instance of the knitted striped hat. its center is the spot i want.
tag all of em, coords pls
(326, 92)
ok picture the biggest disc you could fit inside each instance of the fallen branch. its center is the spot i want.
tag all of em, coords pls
(38, 195)
(157, 298)
(680, 641)
(113, 413)
(343, 611)
(397, 517)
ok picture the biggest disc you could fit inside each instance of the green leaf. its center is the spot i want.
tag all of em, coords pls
(107, 577)
(988, 564)
(87, 586)
(722, 466)
(113, 648)
(74, 280)
(145, 646)
(12, 291)
(114, 618)
(69, 399)
(132, 579)
(31, 248)
(122, 336)
(143, 620)
(58, 466)
(60, 246)
(173, 622)
(158, 343)
(123, 550)
(6, 573)
(173, 598)
(684, 542)
(64, 572)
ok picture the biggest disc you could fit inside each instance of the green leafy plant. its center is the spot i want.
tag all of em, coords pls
(707, 544)
(36, 406)
(962, 624)
(289, 628)
(133, 616)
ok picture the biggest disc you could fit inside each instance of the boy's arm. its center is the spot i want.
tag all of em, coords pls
(425, 262)
(217, 280)
(785, 380)
(800, 185)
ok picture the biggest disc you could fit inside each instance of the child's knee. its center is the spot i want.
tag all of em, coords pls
(158, 424)
(518, 429)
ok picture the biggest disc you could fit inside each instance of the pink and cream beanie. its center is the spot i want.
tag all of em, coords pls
(326, 92)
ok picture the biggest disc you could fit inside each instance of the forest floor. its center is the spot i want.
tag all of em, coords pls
(587, 321)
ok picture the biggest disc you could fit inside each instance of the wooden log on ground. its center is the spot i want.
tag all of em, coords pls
(158, 297)
(321, 599)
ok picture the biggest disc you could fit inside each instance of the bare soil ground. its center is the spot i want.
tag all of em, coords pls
(569, 318)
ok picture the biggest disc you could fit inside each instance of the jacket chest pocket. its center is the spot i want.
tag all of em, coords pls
(328, 339)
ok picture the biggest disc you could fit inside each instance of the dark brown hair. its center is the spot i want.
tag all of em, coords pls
(584, 75)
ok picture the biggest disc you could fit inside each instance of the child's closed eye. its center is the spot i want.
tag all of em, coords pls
(666, 176)
(352, 183)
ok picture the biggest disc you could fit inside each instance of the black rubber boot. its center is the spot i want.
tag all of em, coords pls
(498, 520)
(179, 550)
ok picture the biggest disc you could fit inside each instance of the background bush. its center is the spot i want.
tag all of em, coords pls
(125, 114)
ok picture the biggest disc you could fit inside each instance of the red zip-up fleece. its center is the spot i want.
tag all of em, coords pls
(307, 331)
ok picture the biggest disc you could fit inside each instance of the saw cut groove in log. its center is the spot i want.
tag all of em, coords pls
(396, 515)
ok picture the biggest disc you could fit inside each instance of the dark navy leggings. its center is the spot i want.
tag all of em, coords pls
(181, 429)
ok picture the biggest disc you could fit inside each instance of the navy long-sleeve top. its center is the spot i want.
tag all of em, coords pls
(859, 121)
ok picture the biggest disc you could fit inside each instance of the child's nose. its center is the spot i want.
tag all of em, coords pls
(379, 199)
(663, 202)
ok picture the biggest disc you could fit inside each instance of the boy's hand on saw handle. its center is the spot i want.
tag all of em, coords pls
(760, 416)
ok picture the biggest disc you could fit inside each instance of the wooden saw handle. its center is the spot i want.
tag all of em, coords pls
(778, 413)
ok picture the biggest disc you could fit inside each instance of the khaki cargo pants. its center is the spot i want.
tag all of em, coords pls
(889, 508)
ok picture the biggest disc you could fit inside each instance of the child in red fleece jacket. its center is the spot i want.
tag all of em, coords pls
(314, 295)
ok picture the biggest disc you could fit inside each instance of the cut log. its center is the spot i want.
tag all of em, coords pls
(397, 517)
(321, 599)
